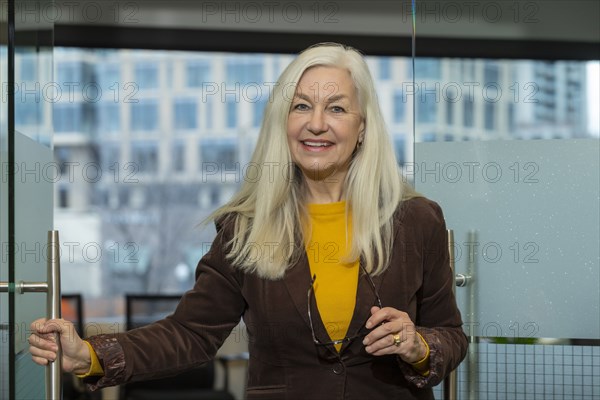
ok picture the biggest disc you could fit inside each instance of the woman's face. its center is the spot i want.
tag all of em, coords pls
(324, 123)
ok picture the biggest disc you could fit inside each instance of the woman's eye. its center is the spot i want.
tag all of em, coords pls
(337, 109)
(301, 107)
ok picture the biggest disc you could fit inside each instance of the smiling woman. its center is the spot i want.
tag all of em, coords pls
(379, 322)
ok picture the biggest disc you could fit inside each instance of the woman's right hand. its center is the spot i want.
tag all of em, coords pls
(43, 348)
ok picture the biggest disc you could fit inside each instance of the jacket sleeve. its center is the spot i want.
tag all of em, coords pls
(186, 339)
(438, 318)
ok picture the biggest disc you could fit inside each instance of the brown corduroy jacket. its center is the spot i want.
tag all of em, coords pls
(285, 364)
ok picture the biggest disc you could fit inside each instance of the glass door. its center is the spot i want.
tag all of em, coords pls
(507, 149)
(26, 191)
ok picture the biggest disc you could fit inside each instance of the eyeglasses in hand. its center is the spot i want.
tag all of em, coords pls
(347, 338)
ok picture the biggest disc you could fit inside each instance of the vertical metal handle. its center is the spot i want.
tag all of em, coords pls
(451, 381)
(472, 363)
(53, 300)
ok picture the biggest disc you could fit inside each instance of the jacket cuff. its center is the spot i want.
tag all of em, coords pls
(112, 360)
(436, 362)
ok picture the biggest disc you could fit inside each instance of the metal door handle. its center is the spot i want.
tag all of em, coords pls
(53, 300)
(450, 388)
(52, 288)
(462, 280)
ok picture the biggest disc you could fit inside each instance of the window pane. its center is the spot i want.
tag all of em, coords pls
(144, 115)
(69, 72)
(109, 78)
(27, 70)
(258, 110)
(110, 157)
(109, 120)
(144, 155)
(231, 114)
(449, 112)
(197, 72)
(209, 107)
(468, 117)
(400, 148)
(146, 75)
(222, 153)
(67, 117)
(186, 116)
(178, 156)
(428, 137)
(27, 109)
(489, 116)
(426, 111)
(244, 70)
(427, 68)
(385, 68)
(400, 104)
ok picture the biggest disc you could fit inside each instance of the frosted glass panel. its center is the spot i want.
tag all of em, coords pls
(33, 220)
(534, 206)
(29, 378)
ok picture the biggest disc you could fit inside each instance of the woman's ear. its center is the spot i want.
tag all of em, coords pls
(361, 131)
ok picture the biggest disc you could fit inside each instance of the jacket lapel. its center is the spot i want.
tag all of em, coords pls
(365, 299)
(297, 280)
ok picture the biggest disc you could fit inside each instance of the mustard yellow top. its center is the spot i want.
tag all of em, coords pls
(336, 282)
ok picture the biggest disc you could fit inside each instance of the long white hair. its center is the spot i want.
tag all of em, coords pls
(268, 213)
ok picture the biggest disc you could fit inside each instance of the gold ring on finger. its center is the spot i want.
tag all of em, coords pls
(397, 339)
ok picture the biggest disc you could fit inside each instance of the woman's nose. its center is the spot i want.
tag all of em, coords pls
(317, 123)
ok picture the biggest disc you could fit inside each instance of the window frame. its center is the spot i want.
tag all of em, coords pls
(245, 41)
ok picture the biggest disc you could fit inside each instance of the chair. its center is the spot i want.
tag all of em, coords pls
(197, 384)
(72, 310)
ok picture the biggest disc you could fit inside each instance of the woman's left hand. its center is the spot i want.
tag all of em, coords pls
(394, 333)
